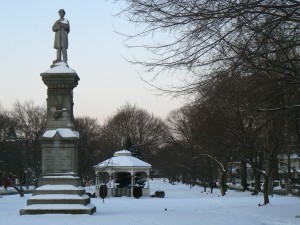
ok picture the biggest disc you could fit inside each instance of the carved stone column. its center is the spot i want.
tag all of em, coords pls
(59, 140)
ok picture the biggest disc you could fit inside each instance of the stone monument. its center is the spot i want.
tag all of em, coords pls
(59, 186)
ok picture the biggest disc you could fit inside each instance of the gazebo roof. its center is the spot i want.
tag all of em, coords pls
(123, 158)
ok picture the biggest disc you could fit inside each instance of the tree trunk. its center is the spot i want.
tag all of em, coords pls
(257, 182)
(20, 190)
(266, 189)
(244, 176)
(223, 187)
(256, 173)
(211, 186)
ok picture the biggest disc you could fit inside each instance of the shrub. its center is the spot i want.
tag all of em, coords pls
(160, 194)
(103, 191)
(137, 191)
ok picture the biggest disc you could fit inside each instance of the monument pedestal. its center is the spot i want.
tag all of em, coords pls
(59, 157)
(60, 179)
(59, 187)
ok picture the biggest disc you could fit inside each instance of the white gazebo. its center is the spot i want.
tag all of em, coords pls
(121, 173)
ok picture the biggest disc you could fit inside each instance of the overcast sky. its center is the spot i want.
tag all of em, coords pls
(96, 53)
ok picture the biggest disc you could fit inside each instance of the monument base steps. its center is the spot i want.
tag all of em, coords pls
(59, 199)
(58, 209)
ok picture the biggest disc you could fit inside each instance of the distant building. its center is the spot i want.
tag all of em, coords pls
(235, 171)
(283, 161)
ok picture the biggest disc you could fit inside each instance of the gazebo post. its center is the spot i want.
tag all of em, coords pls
(111, 182)
(132, 182)
(109, 178)
(97, 178)
(147, 179)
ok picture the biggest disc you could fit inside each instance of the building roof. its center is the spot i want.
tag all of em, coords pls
(123, 158)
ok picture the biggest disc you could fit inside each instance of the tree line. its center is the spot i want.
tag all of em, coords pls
(198, 142)
(240, 62)
(130, 127)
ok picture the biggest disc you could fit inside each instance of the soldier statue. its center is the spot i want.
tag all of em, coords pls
(61, 28)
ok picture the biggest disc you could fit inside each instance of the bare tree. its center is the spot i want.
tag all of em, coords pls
(6, 124)
(89, 145)
(212, 38)
(182, 144)
(144, 130)
(30, 121)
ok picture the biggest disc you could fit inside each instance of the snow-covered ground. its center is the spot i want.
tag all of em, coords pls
(181, 206)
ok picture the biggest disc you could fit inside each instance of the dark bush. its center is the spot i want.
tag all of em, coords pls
(137, 191)
(160, 194)
(103, 191)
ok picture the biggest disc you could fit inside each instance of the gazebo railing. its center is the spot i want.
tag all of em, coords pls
(119, 192)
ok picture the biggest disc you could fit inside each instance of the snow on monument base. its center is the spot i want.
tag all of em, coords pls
(58, 199)
(58, 209)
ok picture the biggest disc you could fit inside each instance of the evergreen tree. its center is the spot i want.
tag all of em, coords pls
(137, 192)
(12, 136)
(103, 192)
(134, 149)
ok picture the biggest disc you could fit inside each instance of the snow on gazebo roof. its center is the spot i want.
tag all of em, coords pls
(123, 158)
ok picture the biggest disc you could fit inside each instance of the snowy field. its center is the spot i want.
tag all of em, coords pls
(181, 206)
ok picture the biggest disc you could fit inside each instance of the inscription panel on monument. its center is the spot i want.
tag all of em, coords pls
(57, 160)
